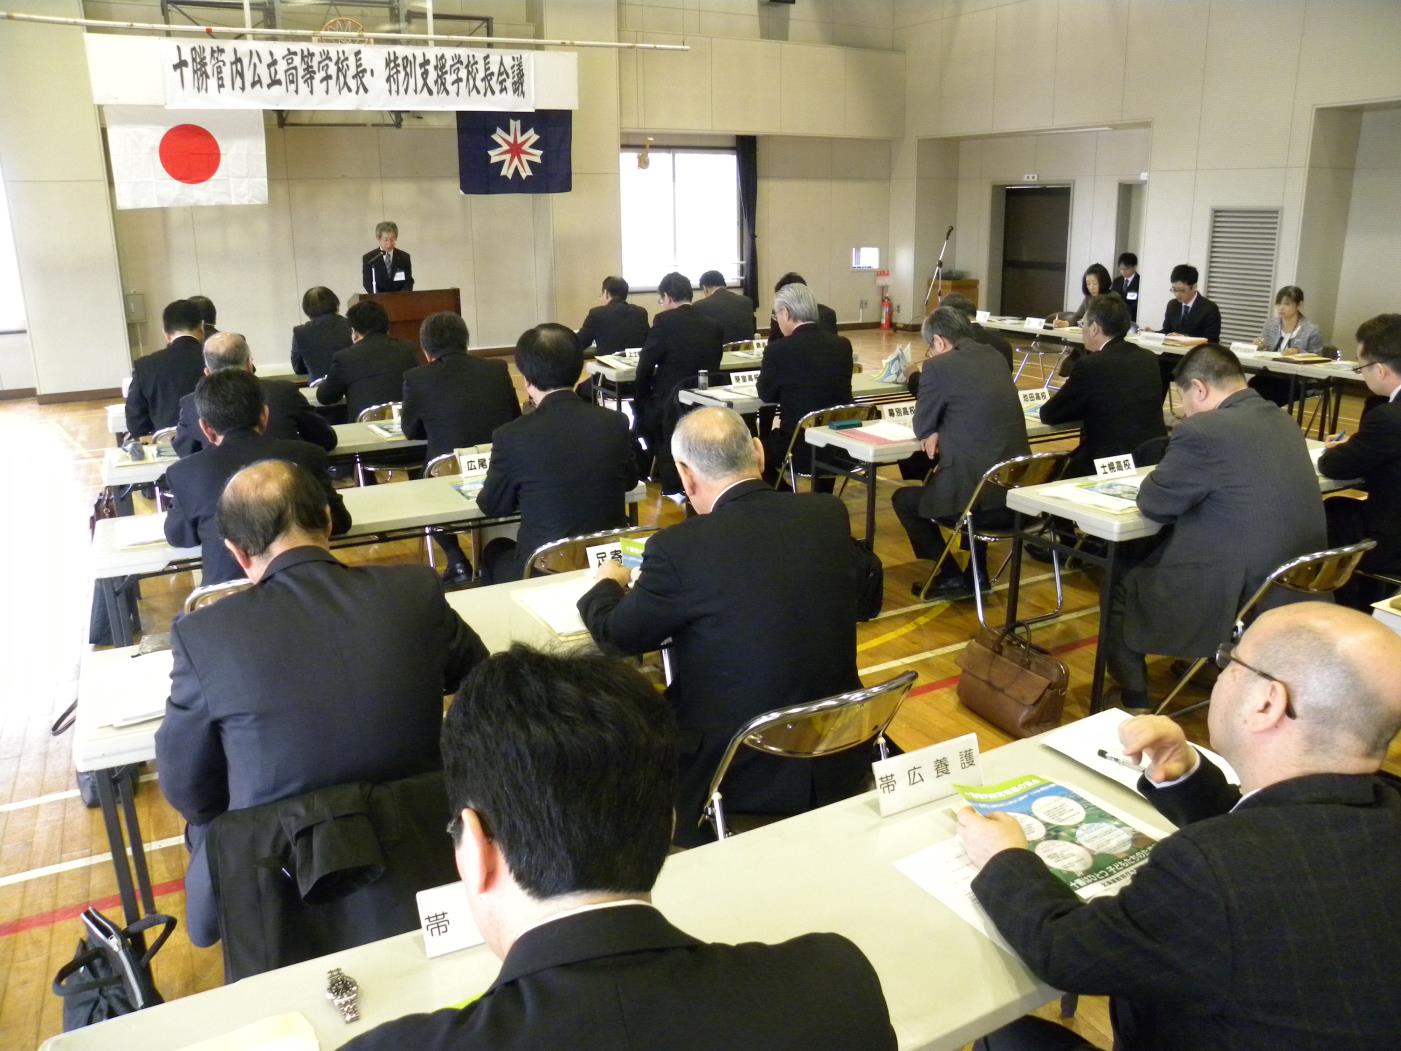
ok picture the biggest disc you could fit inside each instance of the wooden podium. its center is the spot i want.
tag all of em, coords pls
(407, 310)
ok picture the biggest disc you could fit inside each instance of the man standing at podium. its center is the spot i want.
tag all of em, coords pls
(386, 268)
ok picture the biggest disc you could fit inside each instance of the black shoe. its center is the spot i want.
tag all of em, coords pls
(456, 575)
(947, 589)
(1037, 553)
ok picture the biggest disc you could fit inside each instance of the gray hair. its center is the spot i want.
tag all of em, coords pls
(386, 227)
(948, 322)
(798, 300)
(226, 350)
(715, 444)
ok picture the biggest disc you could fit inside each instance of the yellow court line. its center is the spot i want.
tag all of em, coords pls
(923, 618)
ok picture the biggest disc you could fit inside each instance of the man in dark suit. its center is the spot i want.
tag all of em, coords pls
(1239, 490)
(566, 468)
(1268, 919)
(318, 675)
(371, 370)
(734, 311)
(758, 594)
(455, 401)
(681, 343)
(386, 268)
(316, 341)
(1187, 314)
(809, 369)
(208, 313)
(1374, 455)
(1126, 285)
(986, 336)
(559, 879)
(1113, 391)
(233, 418)
(615, 324)
(160, 380)
(967, 417)
(289, 415)
(826, 316)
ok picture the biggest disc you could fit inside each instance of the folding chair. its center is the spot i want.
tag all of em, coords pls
(819, 418)
(571, 553)
(208, 594)
(376, 414)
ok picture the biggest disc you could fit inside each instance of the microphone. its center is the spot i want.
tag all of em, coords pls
(948, 233)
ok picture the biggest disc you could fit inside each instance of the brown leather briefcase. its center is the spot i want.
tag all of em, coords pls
(1013, 684)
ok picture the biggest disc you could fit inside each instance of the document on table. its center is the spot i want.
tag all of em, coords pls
(883, 432)
(388, 429)
(285, 1032)
(1082, 740)
(944, 871)
(557, 605)
(747, 390)
(1116, 495)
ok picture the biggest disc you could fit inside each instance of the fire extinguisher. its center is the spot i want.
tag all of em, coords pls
(887, 313)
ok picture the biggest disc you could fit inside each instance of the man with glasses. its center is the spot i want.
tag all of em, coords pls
(1269, 918)
(1187, 314)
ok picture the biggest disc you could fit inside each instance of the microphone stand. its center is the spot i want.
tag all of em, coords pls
(938, 269)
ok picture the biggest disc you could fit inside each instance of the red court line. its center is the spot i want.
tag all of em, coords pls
(46, 919)
(930, 687)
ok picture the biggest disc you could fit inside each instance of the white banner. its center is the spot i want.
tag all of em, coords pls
(245, 74)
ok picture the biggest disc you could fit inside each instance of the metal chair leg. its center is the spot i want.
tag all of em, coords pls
(1181, 684)
(923, 595)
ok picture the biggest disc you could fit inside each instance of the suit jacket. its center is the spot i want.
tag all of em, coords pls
(158, 382)
(315, 342)
(759, 600)
(624, 979)
(734, 311)
(376, 277)
(1239, 490)
(1204, 320)
(968, 398)
(808, 370)
(1374, 455)
(826, 319)
(680, 344)
(1232, 935)
(566, 468)
(289, 416)
(369, 373)
(618, 325)
(1305, 339)
(457, 400)
(1128, 291)
(198, 481)
(986, 336)
(319, 675)
(1116, 395)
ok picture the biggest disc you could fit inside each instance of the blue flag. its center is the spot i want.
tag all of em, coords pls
(515, 152)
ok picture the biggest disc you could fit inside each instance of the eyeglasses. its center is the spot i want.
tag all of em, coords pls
(1179, 290)
(1365, 365)
(1225, 655)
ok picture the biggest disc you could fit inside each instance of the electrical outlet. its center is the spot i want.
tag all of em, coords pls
(863, 305)
(1030, 177)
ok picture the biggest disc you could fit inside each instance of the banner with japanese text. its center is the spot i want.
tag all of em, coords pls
(245, 74)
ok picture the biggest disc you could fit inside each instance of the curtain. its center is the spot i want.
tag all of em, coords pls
(747, 155)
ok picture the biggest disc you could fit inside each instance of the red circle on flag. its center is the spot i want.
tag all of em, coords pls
(189, 153)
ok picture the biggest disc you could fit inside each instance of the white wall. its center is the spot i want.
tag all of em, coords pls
(848, 23)
(1371, 262)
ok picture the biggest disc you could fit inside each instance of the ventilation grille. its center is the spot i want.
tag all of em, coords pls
(1240, 268)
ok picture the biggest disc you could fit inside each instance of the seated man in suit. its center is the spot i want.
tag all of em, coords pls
(208, 313)
(386, 268)
(159, 380)
(233, 419)
(826, 316)
(321, 673)
(1266, 920)
(734, 311)
(758, 593)
(371, 370)
(324, 332)
(1374, 455)
(967, 417)
(1239, 490)
(682, 342)
(615, 324)
(455, 401)
(1187, 314)
(559, 880)
(289, 415)
(1113, 391)
(986, 336)
(1127, 284)
(809, 369)
(565, 468)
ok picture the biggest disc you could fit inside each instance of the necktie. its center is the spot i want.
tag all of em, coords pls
(388, 262)
(1185, 308)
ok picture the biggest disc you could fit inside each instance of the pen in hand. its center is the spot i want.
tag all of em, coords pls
(1118, 759)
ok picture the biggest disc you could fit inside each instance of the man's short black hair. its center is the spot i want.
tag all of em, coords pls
(615, 287)
(1369, 330)
(1101, 274)
(320, 301)
(207, 312)
(712, 279)
(367, 317)
(1128, 259)
(1185, 273)
(569, 759)
(677, 286)
(961, 303)
(1108, 311)
(1384, 344)
(268, 499)
(548, 356)
(1211, 363)
(790, 278)
(442, 332)
(229, 400)
(181, 316)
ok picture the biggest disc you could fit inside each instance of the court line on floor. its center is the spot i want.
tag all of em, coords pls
(930, 687)
(69, 912)
(52, 797)
(995, 589)
(955, 646)
(84, 862)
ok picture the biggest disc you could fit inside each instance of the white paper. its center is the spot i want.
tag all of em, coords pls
(1034, 322)
(445, 920)
(944, 871)
(284, 1032)
(1244, 348)
(1082, 740)
(980, 316)
(556, 605)
(888, 429)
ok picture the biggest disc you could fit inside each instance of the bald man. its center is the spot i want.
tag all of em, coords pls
(1269, 919)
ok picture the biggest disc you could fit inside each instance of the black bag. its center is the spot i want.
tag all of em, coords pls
(106, 976)
(870, 594)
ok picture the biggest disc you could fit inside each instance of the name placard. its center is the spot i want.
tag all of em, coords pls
(1108, 466)
(445, 920)
(1035, 322)
(748, 376)
(908, 780)
(899, 411)
(1034, 398)
(473, 462)
(981, 316)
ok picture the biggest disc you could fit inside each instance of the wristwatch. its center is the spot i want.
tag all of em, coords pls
(344, 992)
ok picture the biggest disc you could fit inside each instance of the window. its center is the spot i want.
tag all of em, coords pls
(11, 303)
(865, 257)
(681, 213)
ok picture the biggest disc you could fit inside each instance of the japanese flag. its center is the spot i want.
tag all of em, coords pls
(174, 158)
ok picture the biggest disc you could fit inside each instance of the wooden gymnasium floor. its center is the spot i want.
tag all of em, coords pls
(52, 860)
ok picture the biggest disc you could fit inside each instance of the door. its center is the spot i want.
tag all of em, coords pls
(1035, 238)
